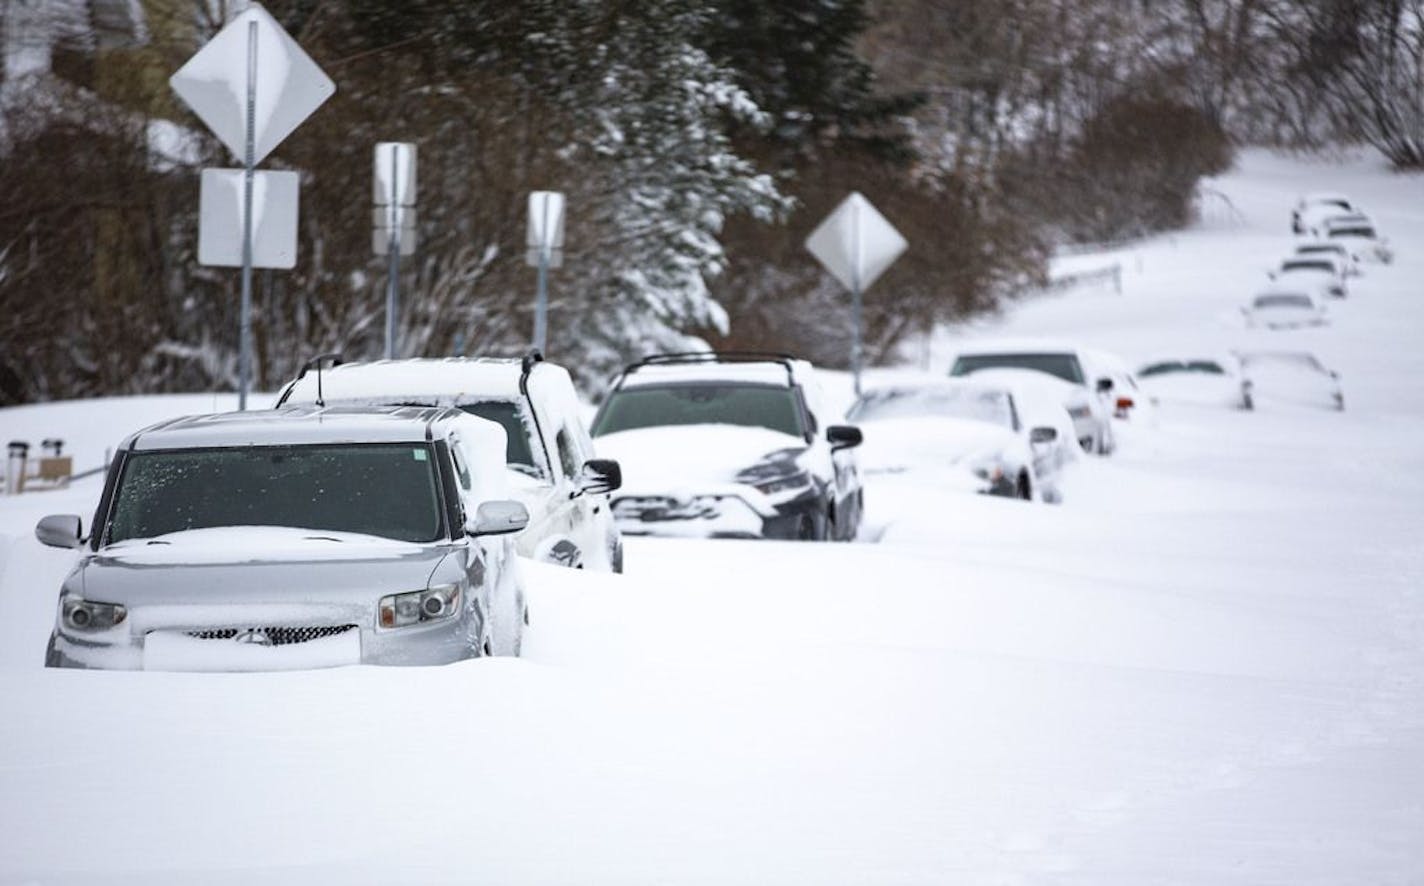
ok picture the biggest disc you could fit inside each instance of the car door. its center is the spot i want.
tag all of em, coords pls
(481, 569)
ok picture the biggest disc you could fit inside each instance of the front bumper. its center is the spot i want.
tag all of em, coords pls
(723, 514)
(258, 641)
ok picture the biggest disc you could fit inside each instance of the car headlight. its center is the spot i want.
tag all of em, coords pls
(772, 485)
(417, 607)
(87, 615)
(990, 469)
(1079, 411)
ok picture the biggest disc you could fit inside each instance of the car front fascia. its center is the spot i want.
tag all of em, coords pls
(175, 612)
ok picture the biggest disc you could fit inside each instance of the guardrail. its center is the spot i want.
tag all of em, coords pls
(1083, 278)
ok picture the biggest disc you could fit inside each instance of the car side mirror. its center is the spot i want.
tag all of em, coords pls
(1043, 435)
(1105, 385)
(499, 517)
(844, 437)
(60, 531)
(599, 475)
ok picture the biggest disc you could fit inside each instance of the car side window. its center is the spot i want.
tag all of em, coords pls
(812, 426)
(462, 470)
(568, 453)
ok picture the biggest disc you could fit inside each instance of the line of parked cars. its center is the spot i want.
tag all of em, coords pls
(378, 513)
(1339, 239)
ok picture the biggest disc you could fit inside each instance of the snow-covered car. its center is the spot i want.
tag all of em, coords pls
(1121, 391)
(550, 456)
(1337, 250)
(1292, 377)
(1088, 404)
(731, 445)
(296, 538)
(1323, 274)
(1311, 208)
(963, 434)
(1358, 234)
(1285, 309)
(1206, 380)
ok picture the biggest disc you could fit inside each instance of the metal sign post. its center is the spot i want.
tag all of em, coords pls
(221, 85)
(544, 249)
(394, 195)
(244, 354)
(856, 244)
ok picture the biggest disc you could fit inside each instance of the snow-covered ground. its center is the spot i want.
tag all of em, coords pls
(1207, 666)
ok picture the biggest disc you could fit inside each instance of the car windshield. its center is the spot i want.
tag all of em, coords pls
(748, 405)
(1330, 249)
(506, 414)
(1064, 366)
(383, 489)
(980, 405)
(1367, 233)
(1282, 301)
(1208, 367)
(1307, 265)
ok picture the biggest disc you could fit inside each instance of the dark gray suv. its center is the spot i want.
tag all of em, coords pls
(295, 538)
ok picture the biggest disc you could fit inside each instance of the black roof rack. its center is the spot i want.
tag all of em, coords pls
(334, 358)
(526, 362)
(716, 357)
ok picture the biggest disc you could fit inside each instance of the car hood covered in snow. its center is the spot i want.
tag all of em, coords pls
(693, 457)
(933, 443)
(257, 564)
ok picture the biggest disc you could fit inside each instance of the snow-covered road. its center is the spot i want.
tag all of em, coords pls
(1207, 666)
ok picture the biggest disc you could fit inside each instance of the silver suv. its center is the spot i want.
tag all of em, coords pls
(552, 468)
(295, 538)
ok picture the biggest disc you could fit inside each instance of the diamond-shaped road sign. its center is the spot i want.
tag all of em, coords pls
(288, 86)
(274, 218)
(856, 243)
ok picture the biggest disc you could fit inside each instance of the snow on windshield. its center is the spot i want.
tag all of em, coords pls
(385, 489)
(758, 406)
(951, 402)
(1064, 366)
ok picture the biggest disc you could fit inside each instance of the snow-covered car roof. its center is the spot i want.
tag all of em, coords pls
(446, 380)
(1323, 197)
(1018, 346)
(1018, 380)
(294, 425)
(1304, 359)
(677, 373)
(918, 392)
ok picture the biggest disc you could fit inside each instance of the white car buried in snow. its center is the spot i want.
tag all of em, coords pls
(1335, 250)
(1358, 234)
(1084, 393)
(1313, 208)
(1295, 377)
(550, 457)
(729, 446)
(1208, 381)
(965, 435)
(1321, 274)
(1284, 309)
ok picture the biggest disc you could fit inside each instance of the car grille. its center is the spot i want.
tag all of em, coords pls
(655, 508)
(276, 636)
